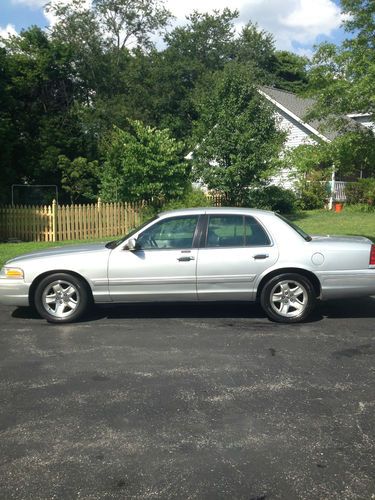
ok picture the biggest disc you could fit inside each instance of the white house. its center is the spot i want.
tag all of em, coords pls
(290, 113)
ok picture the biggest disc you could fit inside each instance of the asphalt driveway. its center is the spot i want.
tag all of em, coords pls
(188, 401)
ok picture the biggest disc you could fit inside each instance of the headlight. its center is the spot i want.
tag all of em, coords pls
(13, 273)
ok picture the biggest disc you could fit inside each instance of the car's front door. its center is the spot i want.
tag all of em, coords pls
(162, 267)
(234, 252)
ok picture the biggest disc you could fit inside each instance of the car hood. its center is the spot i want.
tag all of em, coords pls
(340, 239)
(61, 252)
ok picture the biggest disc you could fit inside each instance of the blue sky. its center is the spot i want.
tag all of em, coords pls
(296, 24)
(20, 15)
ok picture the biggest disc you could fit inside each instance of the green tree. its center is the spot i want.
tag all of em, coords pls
(37, 122)
(143, 164)
(290, 71)
(103, 35)
(202, 45)
(342, 79)
(79, 178)
(308, 158)
(352, 155)
(237, 139)
(129, 22)
(256, 48)
(8, 133)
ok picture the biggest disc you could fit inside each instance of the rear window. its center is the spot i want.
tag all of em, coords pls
(300, 231)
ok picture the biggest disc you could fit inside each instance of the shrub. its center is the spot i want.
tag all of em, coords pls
(193, 197)
(360, 208)
(313, 191)
(272, 198)
(361, 192)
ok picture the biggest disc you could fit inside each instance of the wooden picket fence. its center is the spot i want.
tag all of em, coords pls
(70, 222)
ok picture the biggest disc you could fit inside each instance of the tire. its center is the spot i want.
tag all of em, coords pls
(61, 298)
(288, 298)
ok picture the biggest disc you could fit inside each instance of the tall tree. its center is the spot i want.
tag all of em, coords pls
(256, 48)
(130, 23)
(39, 92)
(290, 71)
(204, 44)
(143, 163)
(103, 34)
(237, 141)
(342, 79)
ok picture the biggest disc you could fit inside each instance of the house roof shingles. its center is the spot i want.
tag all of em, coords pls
(299, 106)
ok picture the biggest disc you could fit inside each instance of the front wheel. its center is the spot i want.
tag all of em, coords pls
(288, 298)
(61, 298)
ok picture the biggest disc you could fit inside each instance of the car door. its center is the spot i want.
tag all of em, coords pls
(162, 266)
(235, 251)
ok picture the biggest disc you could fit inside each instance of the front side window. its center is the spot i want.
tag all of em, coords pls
(174, 233)
(235, 231)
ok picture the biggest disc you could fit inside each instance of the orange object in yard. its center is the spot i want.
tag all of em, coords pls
(338, 207)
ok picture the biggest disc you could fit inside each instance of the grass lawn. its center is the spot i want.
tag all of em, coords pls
(346, 222)
(313, 222)
(10, 250)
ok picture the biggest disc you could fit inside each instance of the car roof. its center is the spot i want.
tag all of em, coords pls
(215, 210)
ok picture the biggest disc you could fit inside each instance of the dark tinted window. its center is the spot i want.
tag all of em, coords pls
(176, 232)
(255, 234)
(235, 231)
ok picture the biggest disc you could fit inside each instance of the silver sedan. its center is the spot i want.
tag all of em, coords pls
(208, 254)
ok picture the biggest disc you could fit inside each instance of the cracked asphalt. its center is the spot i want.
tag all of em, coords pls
(188, 401)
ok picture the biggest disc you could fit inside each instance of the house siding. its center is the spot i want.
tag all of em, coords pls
(297, 134)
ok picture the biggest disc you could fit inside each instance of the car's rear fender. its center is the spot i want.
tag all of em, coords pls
(296, 270)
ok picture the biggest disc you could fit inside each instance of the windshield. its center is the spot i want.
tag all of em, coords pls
(300, 231)
(116, 243)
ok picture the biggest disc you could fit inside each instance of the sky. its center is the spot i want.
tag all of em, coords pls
(297, 25)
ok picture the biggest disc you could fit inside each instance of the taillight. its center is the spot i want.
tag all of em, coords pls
(372, 256)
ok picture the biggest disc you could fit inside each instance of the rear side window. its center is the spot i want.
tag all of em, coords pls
(255, 234)
(235, 231)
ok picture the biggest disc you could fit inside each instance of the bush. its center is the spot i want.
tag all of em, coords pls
(359, 208)
(313, 191)
(193, 197)
(361, 192)
(272, 198)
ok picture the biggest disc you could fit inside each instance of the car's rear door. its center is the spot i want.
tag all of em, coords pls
(234, 251)
(163, 267)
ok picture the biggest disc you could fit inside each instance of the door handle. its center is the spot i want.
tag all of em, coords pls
(185, 259)
(261, 256)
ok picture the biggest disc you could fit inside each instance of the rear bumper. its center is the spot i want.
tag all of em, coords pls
(340, 284)
(14, 292)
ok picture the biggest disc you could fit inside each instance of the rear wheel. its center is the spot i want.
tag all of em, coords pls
(61, 298)
(288, 298)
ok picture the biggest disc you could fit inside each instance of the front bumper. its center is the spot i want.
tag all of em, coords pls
(14, 292)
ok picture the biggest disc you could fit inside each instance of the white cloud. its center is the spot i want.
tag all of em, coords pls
(290, 21)
(181, 9)
(8, 31)
(300, 21)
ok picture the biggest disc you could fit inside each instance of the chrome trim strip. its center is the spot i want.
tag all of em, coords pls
(230, 278)
(183, 280)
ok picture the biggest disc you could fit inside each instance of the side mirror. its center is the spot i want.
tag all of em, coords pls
(131, 245)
